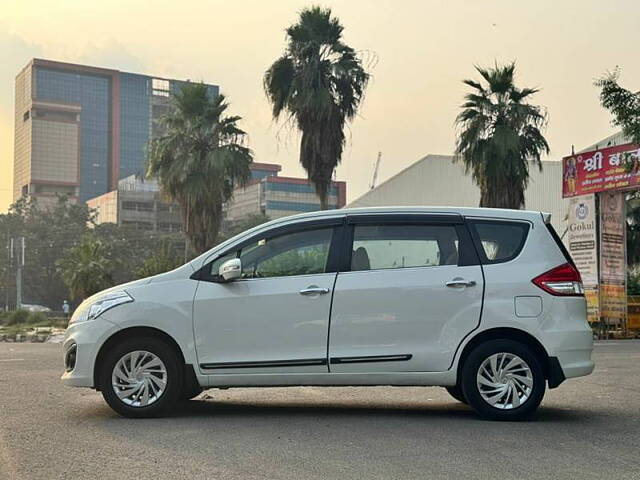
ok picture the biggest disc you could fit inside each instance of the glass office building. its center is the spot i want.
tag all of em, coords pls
(79, 129)
(270, 194)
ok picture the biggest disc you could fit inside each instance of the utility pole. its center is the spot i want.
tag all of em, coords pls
(7, 275)
(19, 261)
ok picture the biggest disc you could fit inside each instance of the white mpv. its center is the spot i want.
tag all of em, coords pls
(484, 302)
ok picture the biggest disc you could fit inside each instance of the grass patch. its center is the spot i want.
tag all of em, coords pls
(24, 322)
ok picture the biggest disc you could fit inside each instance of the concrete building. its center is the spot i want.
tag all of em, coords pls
(137, 203)
(275, 196)
(79, 129)
(436, 180)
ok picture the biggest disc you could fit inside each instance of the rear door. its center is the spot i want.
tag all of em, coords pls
(409, 292)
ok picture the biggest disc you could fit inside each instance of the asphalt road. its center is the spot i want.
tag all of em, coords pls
(587, 428)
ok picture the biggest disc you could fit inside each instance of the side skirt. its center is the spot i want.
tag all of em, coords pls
(444, 379)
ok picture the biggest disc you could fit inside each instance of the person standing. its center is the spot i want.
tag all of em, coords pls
(65, 309)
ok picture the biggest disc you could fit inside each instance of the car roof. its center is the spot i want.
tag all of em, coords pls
(530, 215)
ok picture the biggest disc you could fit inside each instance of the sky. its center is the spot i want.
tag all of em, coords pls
(418, 52)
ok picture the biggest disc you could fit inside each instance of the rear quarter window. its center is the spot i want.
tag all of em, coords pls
(498, 241)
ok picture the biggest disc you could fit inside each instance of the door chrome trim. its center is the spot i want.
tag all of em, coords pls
(372, 358)
(265, 364)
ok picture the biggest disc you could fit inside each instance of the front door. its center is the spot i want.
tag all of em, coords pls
(414, 290)
(275, 319)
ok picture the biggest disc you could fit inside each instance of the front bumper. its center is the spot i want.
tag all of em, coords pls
(86, 338)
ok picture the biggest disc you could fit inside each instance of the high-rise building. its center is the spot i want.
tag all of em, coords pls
(79, 129)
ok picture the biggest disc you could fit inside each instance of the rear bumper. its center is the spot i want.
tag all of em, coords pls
(573, 353)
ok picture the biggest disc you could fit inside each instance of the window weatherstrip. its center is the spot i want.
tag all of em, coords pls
(405, 218)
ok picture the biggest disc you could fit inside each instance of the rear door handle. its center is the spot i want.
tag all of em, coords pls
(460, 282)
(314, 290)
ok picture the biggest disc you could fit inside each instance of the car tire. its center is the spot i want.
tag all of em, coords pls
(127, 371)
(503, 380)
(456, 392)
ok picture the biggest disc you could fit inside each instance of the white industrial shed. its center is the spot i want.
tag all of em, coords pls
(436, 181)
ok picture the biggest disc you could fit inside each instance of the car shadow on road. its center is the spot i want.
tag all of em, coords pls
(436, 410)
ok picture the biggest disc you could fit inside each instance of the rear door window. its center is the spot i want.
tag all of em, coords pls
(377, 247)
(498, 241)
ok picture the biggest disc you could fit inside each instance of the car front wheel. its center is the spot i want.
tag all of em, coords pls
(503, 380)
(141, 377)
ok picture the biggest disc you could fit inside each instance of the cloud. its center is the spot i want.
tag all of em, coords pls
(15, 53)
(112, 55)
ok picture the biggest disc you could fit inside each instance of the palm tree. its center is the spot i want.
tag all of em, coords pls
(199, 160)
(87, 268)
(319, 82)
(500, 137)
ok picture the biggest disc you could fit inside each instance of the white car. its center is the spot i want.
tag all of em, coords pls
(484, 302)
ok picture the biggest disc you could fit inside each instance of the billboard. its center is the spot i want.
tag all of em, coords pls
(581, 242)
(611, 168)
(613, 265)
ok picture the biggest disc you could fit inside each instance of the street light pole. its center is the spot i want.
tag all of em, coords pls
(19, 265)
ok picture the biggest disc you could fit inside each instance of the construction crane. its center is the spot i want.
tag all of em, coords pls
(375, 171)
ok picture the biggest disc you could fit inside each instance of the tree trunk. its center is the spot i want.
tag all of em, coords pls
(324, 202)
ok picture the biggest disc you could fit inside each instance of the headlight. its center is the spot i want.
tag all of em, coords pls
(101, 305)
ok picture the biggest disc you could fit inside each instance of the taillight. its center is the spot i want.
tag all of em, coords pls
(563, 280)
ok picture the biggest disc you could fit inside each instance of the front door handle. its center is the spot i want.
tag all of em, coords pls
(314, 290)
(460, 282)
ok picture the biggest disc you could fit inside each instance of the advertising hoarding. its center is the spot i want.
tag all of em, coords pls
(611, 168)
(613, 265)
(581, 242)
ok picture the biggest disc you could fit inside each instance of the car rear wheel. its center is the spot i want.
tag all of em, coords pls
(456, 392)
(141, 377)
(503, 380)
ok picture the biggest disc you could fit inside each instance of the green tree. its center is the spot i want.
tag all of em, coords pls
(319, 83)
(132, 247)
(623, 104)
(243, 224)
(500, 137)
(199, 160)
(87, 268)
(163, 259)
(47, 233)
(633, 229)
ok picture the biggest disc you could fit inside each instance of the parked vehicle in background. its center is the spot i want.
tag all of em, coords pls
(484, 302)
(35, 308)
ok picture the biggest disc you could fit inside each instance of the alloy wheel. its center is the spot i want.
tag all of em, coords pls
(139, 378)
(504, 381)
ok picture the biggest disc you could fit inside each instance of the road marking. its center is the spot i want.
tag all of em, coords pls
(11, 359)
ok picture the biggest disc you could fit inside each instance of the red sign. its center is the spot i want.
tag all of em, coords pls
(612, 168)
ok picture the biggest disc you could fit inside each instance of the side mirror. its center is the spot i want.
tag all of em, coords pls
(230, 270)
